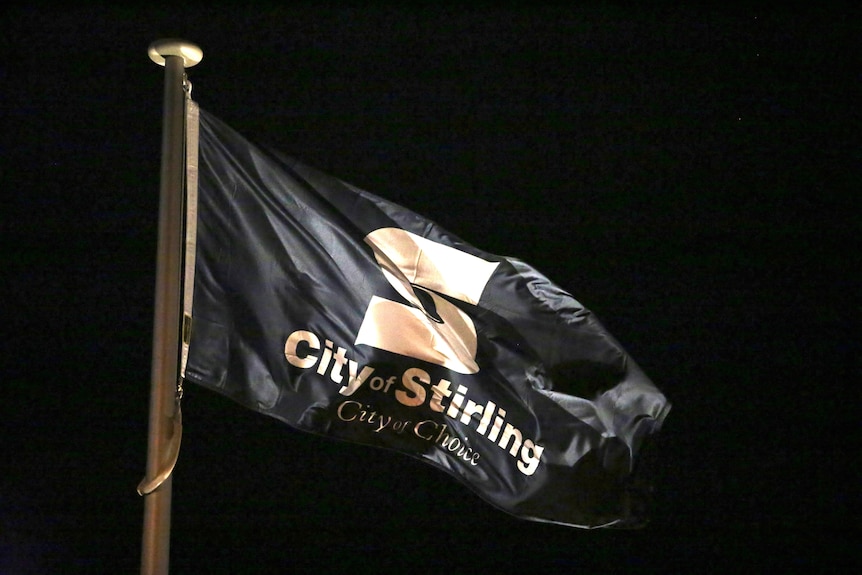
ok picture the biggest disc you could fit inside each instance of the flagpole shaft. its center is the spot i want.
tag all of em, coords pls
(155, 547)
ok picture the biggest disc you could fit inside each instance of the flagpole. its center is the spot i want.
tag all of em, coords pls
(164, 427)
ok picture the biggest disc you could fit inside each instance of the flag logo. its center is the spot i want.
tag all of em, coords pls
(430, 328)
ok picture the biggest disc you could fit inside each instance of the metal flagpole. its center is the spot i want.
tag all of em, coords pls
(164, 420)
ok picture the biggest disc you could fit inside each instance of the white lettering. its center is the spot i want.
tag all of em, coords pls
(354, 382)
(291, 349)
(414, 393)
(303, 350)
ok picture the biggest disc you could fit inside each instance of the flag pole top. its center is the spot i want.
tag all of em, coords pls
(161, 49)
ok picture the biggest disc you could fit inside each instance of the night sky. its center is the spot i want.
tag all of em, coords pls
(689, 175)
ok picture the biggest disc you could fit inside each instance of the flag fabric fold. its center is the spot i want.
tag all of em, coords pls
(346, 315)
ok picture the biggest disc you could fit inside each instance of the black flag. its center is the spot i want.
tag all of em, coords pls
(346, 315)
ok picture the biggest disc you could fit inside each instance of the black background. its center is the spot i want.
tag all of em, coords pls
(689, 174)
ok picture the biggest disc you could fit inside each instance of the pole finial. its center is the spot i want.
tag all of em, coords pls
(160, 49)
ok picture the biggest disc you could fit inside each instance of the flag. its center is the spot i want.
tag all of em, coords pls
(344, 314)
